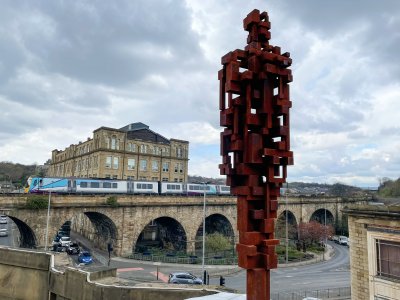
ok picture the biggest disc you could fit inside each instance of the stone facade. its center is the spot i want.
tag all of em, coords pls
(368, 226)
(132, 152)
(124, 223)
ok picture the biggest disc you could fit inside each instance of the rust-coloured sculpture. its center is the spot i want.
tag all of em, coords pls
(254, 103)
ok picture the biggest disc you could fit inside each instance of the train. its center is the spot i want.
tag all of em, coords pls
(75, 185)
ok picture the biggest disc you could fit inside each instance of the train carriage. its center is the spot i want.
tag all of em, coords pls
(93, 186)
(174, 188)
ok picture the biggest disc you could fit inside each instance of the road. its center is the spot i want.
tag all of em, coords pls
(334, 273)
(11, 239)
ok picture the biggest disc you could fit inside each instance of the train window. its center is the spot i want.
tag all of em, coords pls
(107, 185)
(84, 184)
(94, 184)
(225, 188)
(149, 186)
(115, 185)
(34, 182)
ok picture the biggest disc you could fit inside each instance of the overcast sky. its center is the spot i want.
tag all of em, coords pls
(69, 67)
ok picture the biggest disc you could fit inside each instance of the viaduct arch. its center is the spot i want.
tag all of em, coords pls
(124, 223)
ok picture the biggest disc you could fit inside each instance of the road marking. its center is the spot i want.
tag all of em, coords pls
(129, 269)
(161, 276)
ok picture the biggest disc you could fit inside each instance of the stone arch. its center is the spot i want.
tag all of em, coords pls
(280, 225)
(27, 237)
(319, 216)
(95, 226)
(163, 232)
(214, 223)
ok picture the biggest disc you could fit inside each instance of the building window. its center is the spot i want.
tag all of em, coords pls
(108, 143)
(154, 165)
(165, 166)
(175, 179)
(388, 259)
(115, 176)
(179, 152)
(114, 143)
(143, 148)
(142, 178)
(130, 177)
(179, 168)
(131, 163)
(143, 165)
(165, 179)
(131, 147)
(154, 178)
(108, 161)
(116, 162)
(107, 176)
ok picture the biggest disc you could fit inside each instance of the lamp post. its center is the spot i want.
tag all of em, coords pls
(47, 222)
(204, 229)
(286, 223)
(325, 231)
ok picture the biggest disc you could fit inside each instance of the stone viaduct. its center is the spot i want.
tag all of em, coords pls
(101, 222)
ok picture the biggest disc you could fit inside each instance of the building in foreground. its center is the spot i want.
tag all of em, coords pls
(374, 251)
(131, 152)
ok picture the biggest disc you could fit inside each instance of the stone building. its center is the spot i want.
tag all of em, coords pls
(131, 152)
(374, 251)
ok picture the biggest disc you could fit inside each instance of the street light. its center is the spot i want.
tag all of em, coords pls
(204, 228)
(47, 221)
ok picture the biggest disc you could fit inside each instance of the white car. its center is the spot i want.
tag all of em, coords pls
(65, 241)
(3, 232)
(3, 220)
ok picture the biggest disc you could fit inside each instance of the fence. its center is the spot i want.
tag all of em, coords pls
(334, 293)
(185, 259)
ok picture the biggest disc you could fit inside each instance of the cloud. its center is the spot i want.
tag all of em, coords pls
(68, 68)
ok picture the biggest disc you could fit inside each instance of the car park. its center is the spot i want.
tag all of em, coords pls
(85, 258)
(73, 249)
(184, 278)
(3, 232)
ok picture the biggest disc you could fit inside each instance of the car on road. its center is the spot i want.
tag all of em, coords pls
(3, 220)
(184, 278)
(3, 232)
(85, 258)
(343, 240)
(64, 241)
(73, 249)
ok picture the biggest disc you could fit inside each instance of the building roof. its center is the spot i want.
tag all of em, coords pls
(142, 132)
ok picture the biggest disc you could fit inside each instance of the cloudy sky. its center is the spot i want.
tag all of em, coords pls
(69, 67)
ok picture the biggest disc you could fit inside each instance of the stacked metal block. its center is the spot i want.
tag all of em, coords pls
(255, 144)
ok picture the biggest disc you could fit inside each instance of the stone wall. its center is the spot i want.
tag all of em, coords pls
(28, 275)
(367, 225)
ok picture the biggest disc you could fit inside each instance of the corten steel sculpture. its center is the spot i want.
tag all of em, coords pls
(254, 103)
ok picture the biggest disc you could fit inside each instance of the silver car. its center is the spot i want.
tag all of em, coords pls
(3, 232)
(184, 278)
(3, 220)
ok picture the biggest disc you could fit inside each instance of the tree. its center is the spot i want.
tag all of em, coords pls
(313, 233)
(217, 242)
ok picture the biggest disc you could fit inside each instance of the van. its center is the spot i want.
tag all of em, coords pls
(343, 240)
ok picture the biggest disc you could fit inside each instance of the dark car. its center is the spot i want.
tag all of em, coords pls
(184, 278)
(73, 249)
(85, 258)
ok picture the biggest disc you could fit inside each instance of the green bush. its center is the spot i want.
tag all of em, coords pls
(217, 242)
(112, 201)
(37, 202)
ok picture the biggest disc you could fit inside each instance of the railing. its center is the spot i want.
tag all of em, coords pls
(342, 293)
(217, 260)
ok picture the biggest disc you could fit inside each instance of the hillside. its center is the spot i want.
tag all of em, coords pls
(17, 173)
(389, 188)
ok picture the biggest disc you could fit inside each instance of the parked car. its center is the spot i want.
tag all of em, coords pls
(184, 278)
(85, 258)
(73, 249)
(65, 241)
(3, 220)
(335, 238)
(3, 232)
(343, 240)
